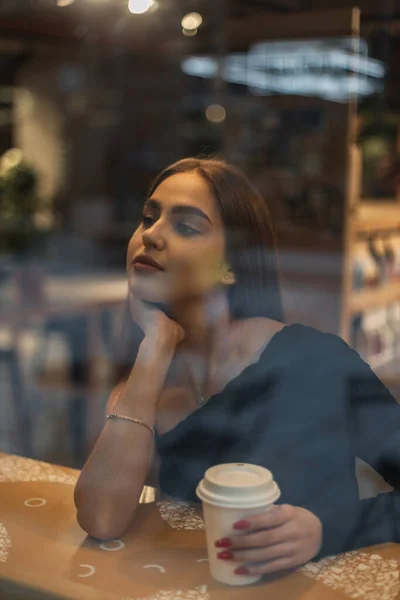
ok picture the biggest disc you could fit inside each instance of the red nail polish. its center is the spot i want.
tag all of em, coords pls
(225, 555)
(241, 525)
(241, 571)
(224, 543)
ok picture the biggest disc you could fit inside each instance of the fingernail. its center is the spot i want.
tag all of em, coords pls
(241, 525)
(224, 543)
(225, 555)
(241, 571)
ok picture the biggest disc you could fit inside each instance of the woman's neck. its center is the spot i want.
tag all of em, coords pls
(207, 342)
(206, 323)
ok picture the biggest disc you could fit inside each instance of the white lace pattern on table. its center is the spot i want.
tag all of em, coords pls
(198, 593)
(358, 575)
(14, 469)
(5, 543)
(180, 516)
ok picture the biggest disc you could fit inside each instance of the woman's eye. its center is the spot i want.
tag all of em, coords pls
(184, 229)
(147, 222)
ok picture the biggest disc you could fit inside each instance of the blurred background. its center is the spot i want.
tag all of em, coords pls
(97, 96)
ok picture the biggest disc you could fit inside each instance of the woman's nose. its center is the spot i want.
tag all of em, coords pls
(152, 238)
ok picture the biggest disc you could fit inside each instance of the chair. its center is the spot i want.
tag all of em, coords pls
(10, 359)
(11, 367)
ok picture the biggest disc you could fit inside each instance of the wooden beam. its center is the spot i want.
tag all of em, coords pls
(283, 6)
(317, 24)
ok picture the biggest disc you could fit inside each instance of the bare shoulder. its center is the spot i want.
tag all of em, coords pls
(257, 334)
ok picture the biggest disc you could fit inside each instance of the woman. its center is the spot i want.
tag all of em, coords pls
(221, 379)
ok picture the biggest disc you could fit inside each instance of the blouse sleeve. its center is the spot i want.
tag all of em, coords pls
(374, 417)
(373, 424)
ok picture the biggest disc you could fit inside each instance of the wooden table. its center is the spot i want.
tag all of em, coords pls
(162, 557)
(65, 295)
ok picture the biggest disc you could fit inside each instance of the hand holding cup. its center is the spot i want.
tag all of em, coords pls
(283, 538)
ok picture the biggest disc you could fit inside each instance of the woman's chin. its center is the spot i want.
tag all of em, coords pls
(147, 291)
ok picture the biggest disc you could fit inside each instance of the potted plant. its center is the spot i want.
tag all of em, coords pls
(20, 204)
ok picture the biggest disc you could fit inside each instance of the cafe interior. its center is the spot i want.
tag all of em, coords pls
(96, 98)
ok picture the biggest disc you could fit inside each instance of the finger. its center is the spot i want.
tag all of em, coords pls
(275, 517)
(140, 312)
(264, 538)
(261, 555)
(280, 564)
(136, 307)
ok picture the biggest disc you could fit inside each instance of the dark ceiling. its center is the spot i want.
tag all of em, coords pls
(108, 23)
(37, 18)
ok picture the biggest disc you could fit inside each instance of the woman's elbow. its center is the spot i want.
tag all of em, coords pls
(99, 528)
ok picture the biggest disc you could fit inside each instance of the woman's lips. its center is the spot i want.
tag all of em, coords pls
(146, 264)
(140, 267)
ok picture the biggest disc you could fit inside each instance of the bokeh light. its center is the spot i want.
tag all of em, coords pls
(189, 32)
(191, 21)
(216, 113)
(10, 159)
(139, 7)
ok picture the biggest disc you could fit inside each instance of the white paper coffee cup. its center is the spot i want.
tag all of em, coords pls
(230, 493)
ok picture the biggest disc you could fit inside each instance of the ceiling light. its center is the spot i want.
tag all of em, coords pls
(63, 3)
(139, 7)
(216, 113)
(191, 21)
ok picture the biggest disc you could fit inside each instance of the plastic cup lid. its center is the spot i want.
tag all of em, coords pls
(238, 485)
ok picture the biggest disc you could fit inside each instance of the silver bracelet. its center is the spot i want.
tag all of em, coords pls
(133, 420)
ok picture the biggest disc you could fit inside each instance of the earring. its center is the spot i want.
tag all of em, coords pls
(226, 277)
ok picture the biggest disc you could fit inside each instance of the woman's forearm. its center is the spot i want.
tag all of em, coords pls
(111, 482)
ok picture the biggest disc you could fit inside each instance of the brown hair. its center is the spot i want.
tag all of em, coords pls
(250, 238)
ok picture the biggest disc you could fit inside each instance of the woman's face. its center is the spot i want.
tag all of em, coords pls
(182, 231)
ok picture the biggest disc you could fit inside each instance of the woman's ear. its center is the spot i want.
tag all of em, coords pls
(228, 276)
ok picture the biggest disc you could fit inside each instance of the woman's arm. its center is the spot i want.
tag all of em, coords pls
(375, 419)
(334, 409)
(152, 475)
(373, 423)
(111, 482)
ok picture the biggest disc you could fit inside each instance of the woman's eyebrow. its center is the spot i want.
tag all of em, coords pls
(178, 209)
(153, 204)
